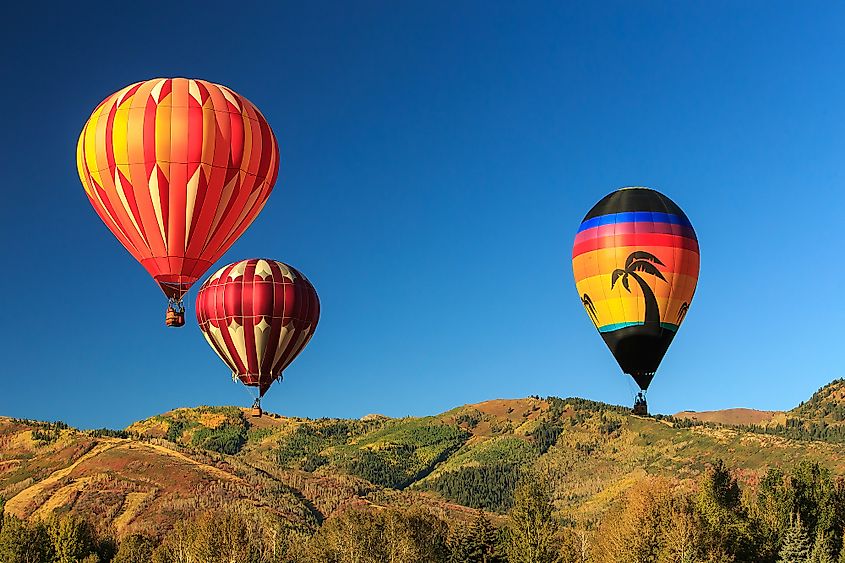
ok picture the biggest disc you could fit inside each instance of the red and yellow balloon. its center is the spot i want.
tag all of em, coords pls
(177, 169)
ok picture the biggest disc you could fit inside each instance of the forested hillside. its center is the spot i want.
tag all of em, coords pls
(598, 481)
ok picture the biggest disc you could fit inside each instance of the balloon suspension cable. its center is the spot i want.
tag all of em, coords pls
(633, 388)
(246, 388)
(175, 305)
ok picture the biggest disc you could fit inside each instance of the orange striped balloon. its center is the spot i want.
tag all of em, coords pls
(636, 262)
(177, 169)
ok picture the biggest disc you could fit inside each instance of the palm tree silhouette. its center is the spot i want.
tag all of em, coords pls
(682, 312)
(591, 309)
(640, 261)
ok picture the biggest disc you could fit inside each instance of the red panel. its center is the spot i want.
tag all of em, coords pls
(670, 241)
(195, 135)
(109, 131)
(166, 89)
(642, 227)
(249, 339)
(176, 216)
(236, 140)
(262, 297)
(199, 201)
(129, 192)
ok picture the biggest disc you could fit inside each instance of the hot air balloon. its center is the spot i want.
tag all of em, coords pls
(177, 169)
(636, 262)
(257, 315)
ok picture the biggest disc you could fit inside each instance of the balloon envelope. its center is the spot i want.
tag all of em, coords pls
(177, 169)
(636, 262)
(258, 315)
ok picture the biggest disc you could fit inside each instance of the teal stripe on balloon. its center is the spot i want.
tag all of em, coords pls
(617, 326)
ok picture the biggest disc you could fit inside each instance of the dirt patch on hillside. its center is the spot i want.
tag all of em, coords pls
(735, 417)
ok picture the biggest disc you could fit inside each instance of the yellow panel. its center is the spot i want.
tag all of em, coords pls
(90, 133)
(610, 311)
(617, 305)
(674, 283)
(120, 126)
(670, 315)
(81, 168)
(608, 259)
(585, 287)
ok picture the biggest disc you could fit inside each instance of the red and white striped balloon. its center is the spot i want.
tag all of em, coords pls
(258, 315)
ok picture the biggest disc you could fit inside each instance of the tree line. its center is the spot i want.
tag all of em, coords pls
(794, 516)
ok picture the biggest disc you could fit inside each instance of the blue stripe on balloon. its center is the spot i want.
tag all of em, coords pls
(617, 326)
(634, 217)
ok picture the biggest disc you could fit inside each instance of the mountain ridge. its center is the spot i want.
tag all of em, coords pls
(150, 475)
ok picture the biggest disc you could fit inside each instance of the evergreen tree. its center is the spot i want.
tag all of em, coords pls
(796, 544)
(460, 550)
(531, 531)
(481, 541)
(772, 511)
(822, 549)
(723, 487)
(842, 551)
(809, 491)
(816, 499)
(725, 518)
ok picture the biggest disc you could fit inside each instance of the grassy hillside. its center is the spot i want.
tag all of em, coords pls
(159, 470)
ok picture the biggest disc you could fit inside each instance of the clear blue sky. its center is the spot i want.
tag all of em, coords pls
(437, 158)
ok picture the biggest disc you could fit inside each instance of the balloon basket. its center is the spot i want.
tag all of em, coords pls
(174, 319)
(175, 315)
(256, 409)
(640, 405)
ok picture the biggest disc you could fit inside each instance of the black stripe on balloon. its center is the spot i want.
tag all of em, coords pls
(634, 199)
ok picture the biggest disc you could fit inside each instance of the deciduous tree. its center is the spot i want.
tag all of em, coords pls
(73, 538)
(530, 536)
(134, 549)
(21, 542)
(633, 532)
